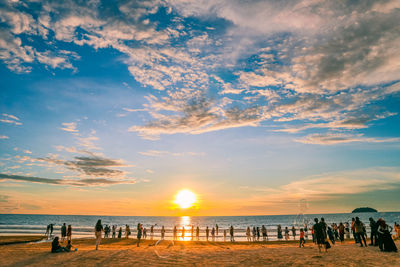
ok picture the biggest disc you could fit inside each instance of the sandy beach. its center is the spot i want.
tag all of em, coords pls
(124, 252)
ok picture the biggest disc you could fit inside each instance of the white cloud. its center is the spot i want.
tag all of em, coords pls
(7, 118)
(69, 127)
(4, 137)
(339, 138)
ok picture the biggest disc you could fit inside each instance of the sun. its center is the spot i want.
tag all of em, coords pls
(185, 199)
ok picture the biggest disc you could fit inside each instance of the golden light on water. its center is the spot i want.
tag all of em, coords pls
(185, 199)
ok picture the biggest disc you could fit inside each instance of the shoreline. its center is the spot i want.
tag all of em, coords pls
(124, 252)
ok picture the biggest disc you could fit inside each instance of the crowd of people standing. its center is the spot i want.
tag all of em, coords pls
(323, 235)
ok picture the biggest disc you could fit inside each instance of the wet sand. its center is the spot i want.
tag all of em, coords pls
(124, 252)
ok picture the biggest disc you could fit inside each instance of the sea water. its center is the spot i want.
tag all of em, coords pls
(83, 225)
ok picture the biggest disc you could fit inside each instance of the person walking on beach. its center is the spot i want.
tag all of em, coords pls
(192, 232)
(69, 233)
(216, 228)
(197, 233)
(151, 232)
(162, 233)
(51, 229)
(279, 232)
(319, 235)
(341, 232)
(386, 242)
(213, 234)
(258, 233)
(183, 233)
(175, 233)
(374, 232)
(139, 233)
(97, 230)
(120, 232)
(248, 235)
(47, 231)
(63, 232)
(232, 234)
(144, 233)
(294, 232)
(207, 232)
(331, 235)
(224, 235)
(286, 233)
(302, 240)
(264, 233)
(306, 230)
(353, 220)
(254, 233)
(359, 230)
(347, 229)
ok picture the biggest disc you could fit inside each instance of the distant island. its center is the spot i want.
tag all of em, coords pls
(365, 209)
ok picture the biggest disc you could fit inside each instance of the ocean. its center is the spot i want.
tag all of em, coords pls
(83, 225)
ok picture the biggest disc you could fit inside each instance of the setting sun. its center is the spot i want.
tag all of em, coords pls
(185, 199)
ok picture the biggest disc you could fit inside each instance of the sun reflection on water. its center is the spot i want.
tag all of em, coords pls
(186, 223)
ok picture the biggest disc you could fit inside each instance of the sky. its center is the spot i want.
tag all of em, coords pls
(258, 107)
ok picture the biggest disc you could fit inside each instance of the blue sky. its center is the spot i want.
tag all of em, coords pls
(255, 106)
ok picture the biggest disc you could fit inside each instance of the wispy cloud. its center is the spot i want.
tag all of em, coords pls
(70, 182)
(69, 127)
(4, 137)
(91, 165)
(339, 138)
(159, 153)
(7, 118)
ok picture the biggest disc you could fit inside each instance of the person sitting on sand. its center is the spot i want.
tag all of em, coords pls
(232, 233)
(302, 240)
(120, 232)
(98, 229)
(69, 246)
(56, 247)
(69, 233)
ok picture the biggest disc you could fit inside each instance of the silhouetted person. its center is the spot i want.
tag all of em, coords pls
(319, 234)
(254, 231)
(69, 233)
(224, 235)
(113, 231)
(216, 228)
(279, 232)
(232, 233)
(359, 230)
(162, 232)
(56, 247)
(120, 232)
(183, 232)
(139, 233)
(63, 232)
(192, 232)
(97, 231)
(386, 242)
(51, 228)
(302, 240)
(294, 232)
(207, 232)
(144, 233)
(151, 232)
(175, 233)
(248, 234)
(374, 232)
(286, 233)
(213, 234)
(341, 229)
(127, 231)
(197, 233)
(264, 233)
